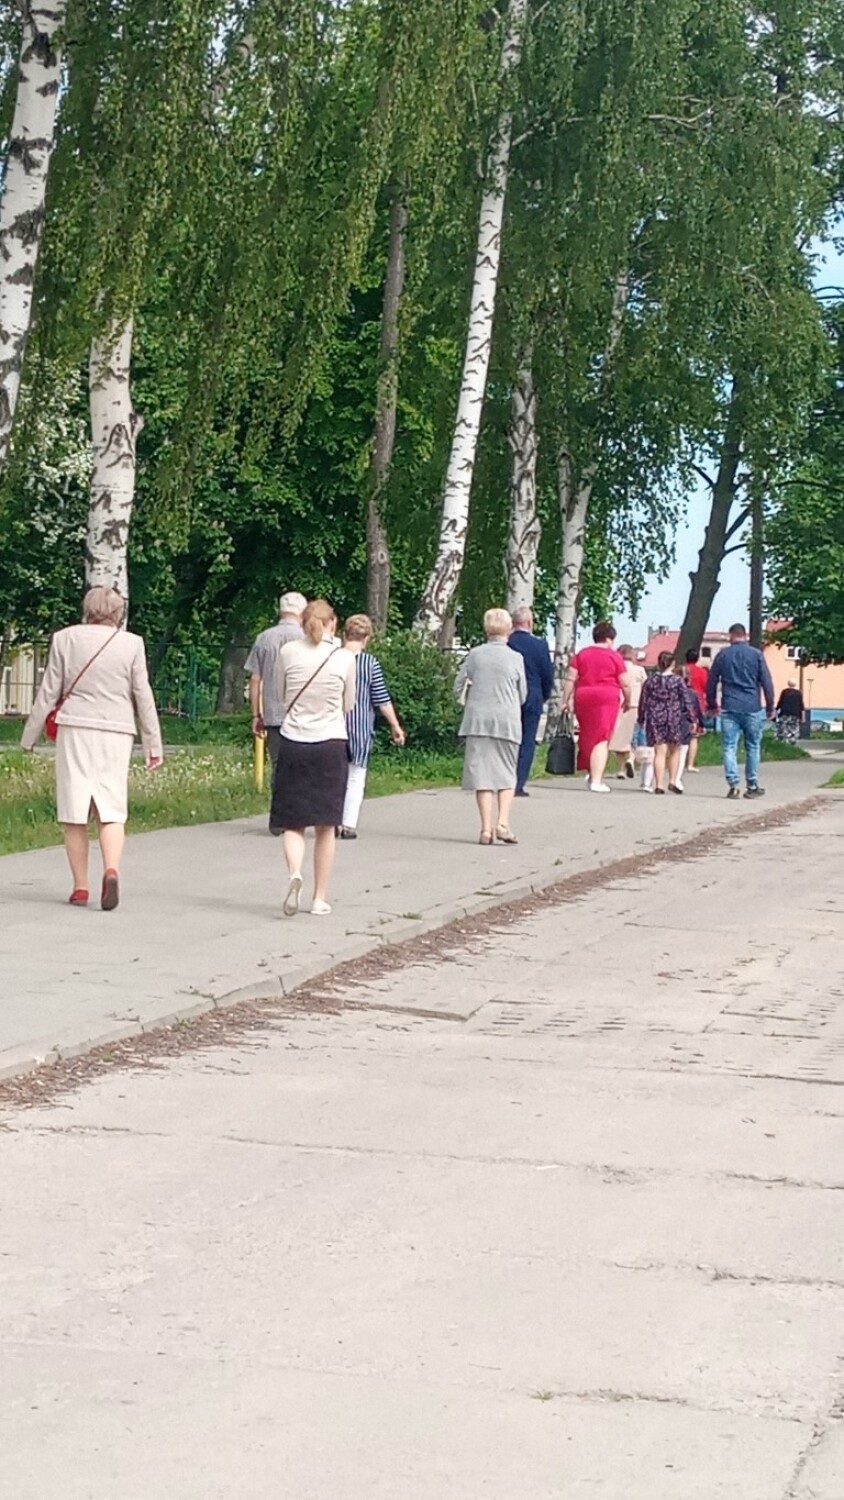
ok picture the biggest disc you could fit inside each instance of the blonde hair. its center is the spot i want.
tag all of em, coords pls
(357, 628)
(497, 622)
(316, 620)
(103, 606)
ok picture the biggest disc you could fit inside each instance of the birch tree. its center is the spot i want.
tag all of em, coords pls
(115, 426)
(445, 574)
(24, 192)
(524, 528)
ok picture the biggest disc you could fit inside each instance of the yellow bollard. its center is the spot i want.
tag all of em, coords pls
(258, 756)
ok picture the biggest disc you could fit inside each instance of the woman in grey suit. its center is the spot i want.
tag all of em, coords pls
(492, 685)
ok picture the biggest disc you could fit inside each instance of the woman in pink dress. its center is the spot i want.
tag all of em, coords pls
(598, 684)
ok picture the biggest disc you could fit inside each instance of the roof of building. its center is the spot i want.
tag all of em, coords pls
(666, 640)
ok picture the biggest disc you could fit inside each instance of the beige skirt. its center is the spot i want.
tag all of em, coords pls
(92, 767)
(622, 735)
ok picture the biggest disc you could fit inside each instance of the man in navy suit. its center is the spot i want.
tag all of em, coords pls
(540, 680)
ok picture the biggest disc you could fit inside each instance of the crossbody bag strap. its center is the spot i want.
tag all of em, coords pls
(80, 674)
(292, 704)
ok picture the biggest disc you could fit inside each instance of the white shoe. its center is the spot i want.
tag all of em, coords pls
(320, 909)
(599, 786)
(294, 895)
(646, 789)
(692, 770)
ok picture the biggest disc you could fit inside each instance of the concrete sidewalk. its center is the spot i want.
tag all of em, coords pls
(201, 916)
(555, 1217)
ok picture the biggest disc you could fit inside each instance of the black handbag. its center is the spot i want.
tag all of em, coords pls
(562, 751)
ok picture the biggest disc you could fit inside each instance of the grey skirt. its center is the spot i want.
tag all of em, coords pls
(490, 764)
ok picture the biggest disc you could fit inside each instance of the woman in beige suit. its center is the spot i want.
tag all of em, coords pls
(98, 674)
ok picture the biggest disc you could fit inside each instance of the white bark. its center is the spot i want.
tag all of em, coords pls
(24, 190)
(114, 432)
(574, 509)
(524, 530)
(575, 497)
(445, 574)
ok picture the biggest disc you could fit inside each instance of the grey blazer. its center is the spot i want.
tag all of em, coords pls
(497, 688)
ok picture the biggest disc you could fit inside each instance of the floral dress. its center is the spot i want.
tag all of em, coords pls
(664, 712)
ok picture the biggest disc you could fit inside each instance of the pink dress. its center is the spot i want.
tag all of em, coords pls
(597, 697)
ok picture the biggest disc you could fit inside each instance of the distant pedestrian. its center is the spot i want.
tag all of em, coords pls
(96, 676)
(492, 686)
(316, 689)
(598, 685)
(741, 672)
(664, 717)
(262, 665)
(371, 695)
(790, 711)
(621, 743)
(698, 677)
(539, 673)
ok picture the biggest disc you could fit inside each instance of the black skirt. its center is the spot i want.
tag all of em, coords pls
(309, 787)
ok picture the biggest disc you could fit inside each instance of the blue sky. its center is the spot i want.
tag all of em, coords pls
(665, 603)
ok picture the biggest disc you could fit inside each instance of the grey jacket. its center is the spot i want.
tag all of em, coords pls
(493, 678)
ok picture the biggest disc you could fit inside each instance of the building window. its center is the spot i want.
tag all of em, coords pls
(706, 652)
(794, 653)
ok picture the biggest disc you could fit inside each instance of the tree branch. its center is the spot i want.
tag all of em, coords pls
(736, 525)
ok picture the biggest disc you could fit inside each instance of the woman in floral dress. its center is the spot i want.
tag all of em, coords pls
(665, 719)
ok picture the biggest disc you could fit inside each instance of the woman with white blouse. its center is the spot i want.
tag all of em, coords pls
(316, 688)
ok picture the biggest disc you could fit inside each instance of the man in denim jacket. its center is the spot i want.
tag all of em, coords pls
(744, 679)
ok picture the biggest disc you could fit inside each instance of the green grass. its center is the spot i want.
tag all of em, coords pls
(199, 784)
(709, 750)
(836, 779)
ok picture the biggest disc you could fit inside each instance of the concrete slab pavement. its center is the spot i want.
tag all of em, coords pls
(498, 1232)
(201, 918)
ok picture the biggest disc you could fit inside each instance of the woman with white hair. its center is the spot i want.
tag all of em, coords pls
(492, 685)
(94, 683)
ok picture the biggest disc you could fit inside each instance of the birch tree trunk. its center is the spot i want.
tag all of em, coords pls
(524, 531)
(384, 435)
(114, 433)
(24, 190)
(457, 490)
(575, 497)
(574, 510)
(706, 578)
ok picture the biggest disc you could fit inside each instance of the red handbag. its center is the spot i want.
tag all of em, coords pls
(51, 728)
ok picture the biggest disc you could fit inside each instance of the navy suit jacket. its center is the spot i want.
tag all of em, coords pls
(539, 668)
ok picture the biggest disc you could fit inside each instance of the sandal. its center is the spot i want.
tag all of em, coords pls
(485, 838)
(504, 835)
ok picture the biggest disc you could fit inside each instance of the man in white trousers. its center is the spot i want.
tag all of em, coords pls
(372, 695)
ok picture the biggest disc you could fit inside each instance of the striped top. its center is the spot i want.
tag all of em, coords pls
(371, 694)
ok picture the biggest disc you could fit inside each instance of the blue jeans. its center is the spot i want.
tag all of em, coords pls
(527, 749)
(751, 726)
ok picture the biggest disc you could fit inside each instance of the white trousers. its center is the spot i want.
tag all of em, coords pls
(355, 788)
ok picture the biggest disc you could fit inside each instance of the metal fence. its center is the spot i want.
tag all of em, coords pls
(184, 687)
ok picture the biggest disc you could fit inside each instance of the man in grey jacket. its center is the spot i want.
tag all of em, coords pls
(742, 674)
(261, 663)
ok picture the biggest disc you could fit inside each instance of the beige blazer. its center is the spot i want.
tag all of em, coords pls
(110, 693)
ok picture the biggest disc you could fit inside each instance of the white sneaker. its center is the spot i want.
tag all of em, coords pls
(599, 786)
(646, 789)
(692, 770)
(320, 909)
(294, 895)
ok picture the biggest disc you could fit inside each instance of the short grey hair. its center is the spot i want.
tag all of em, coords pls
(522, 616)
(292, 604)
(497, 622)
(103, 606)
